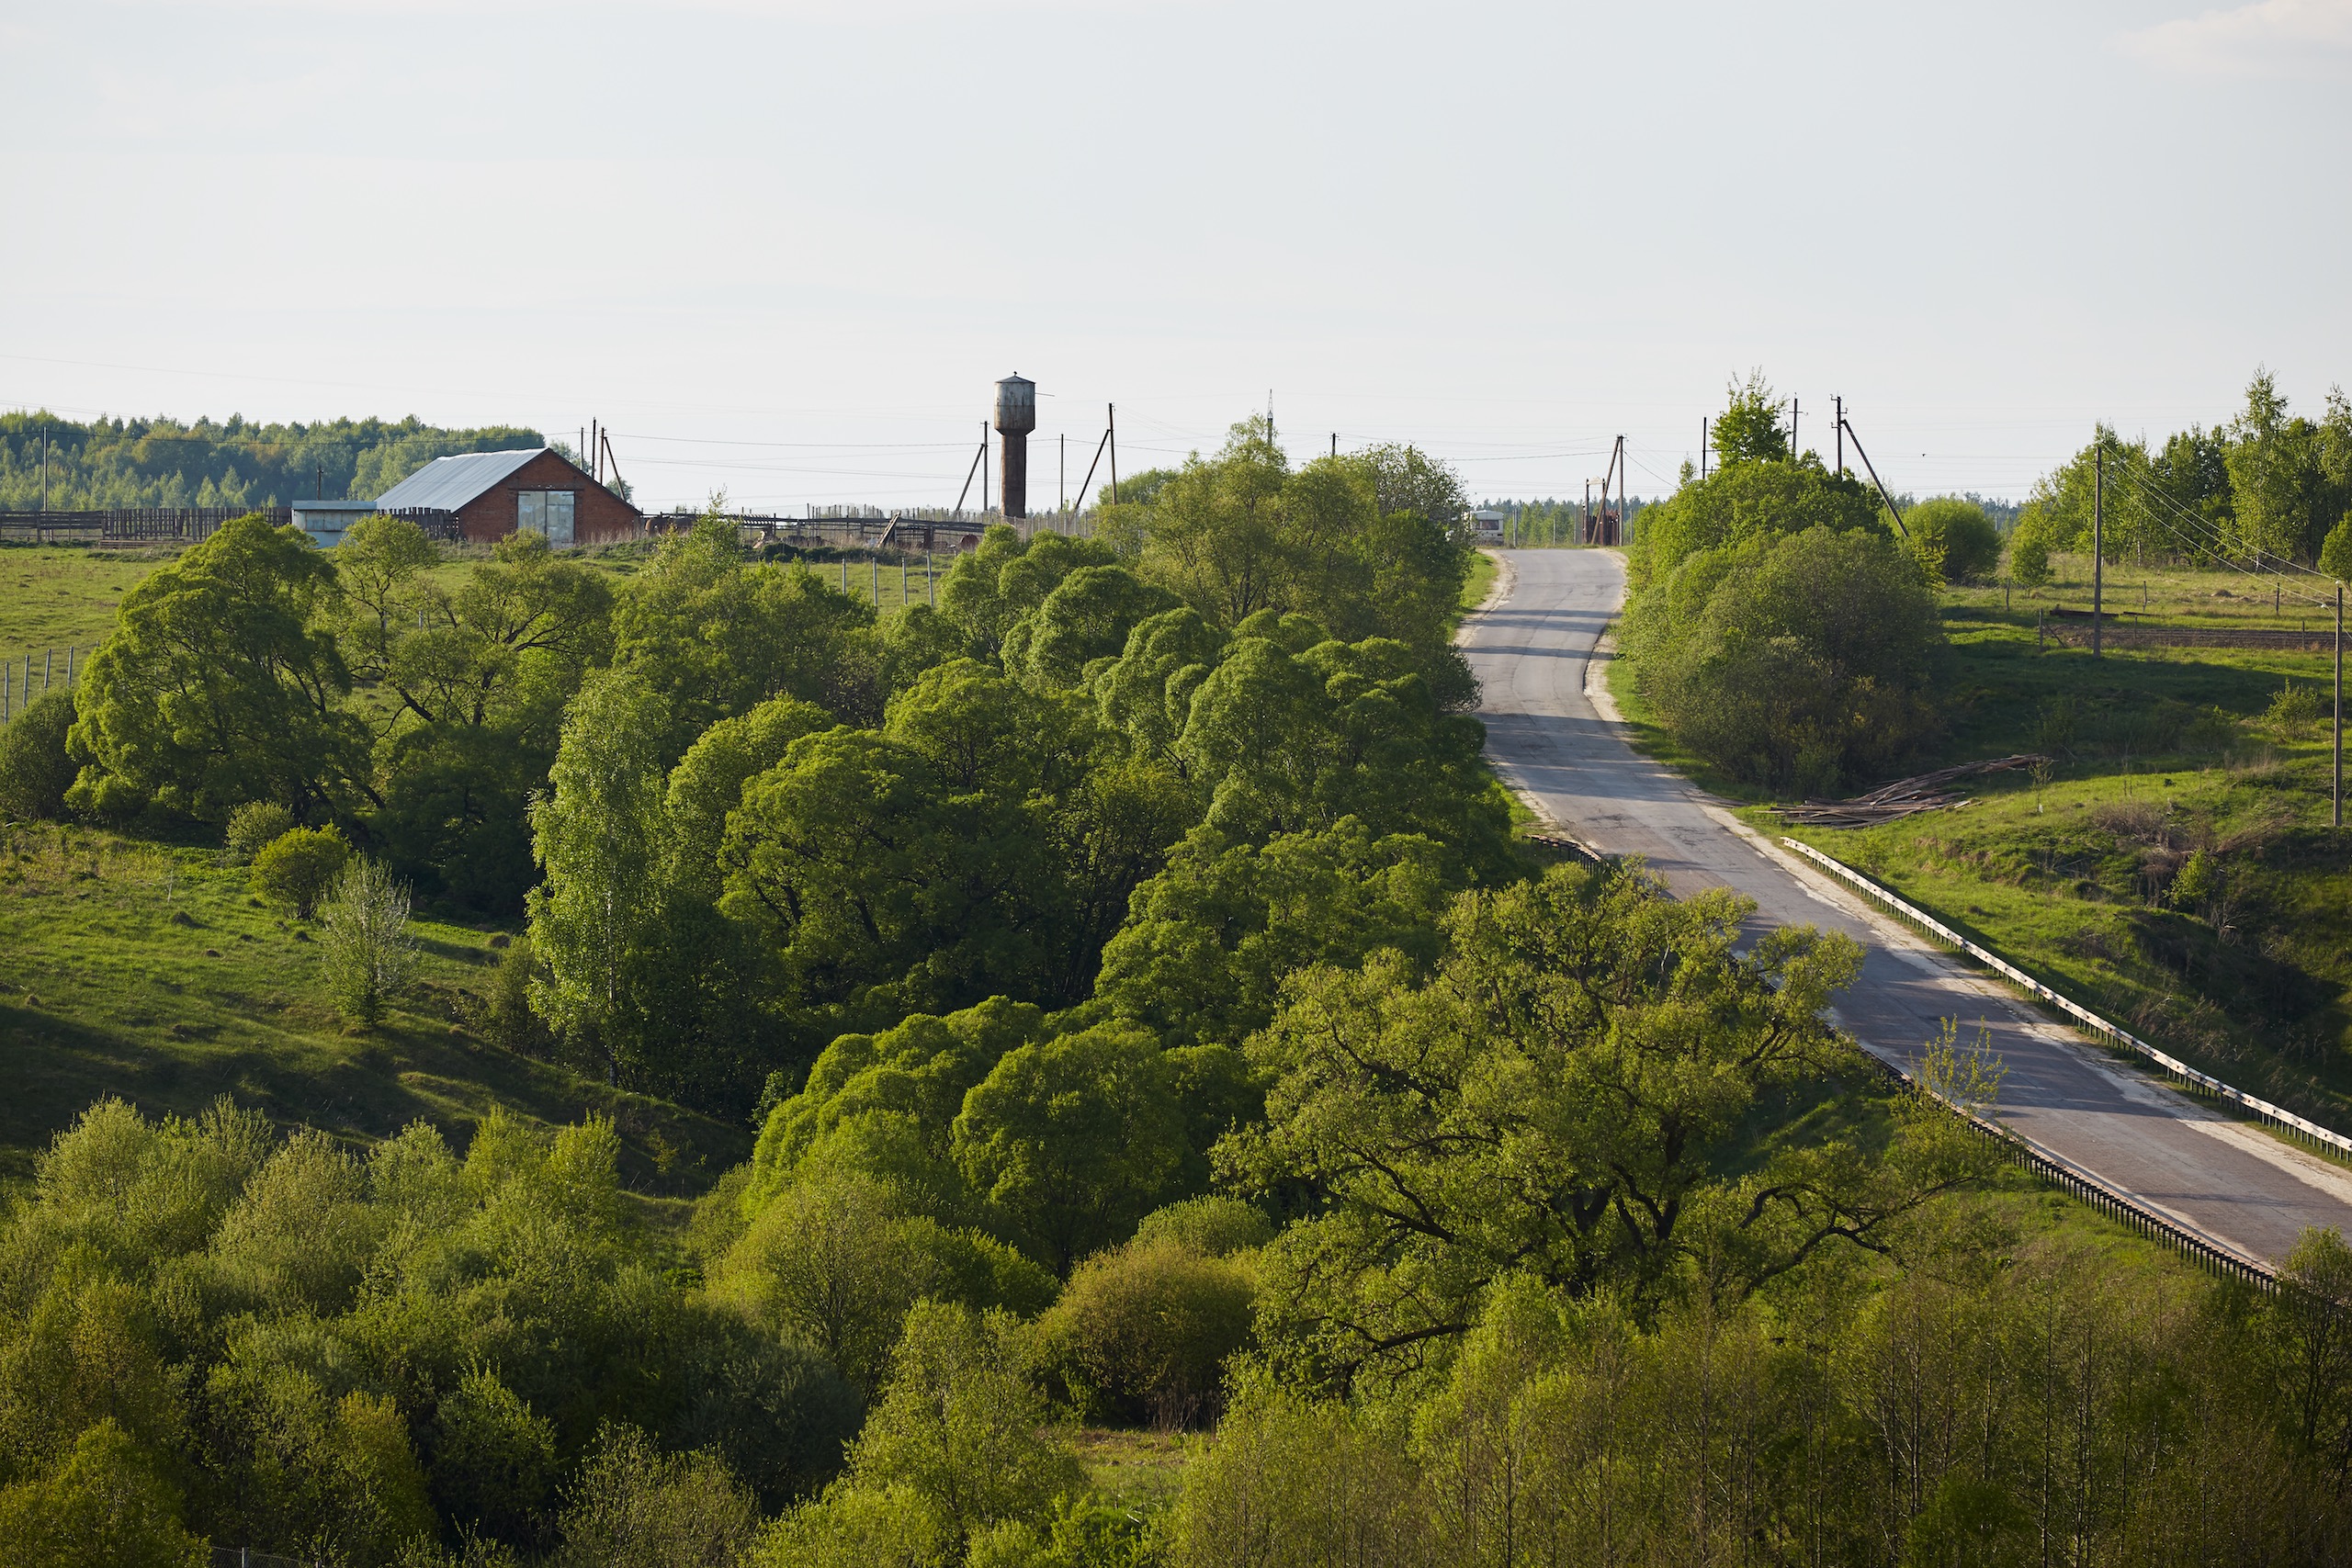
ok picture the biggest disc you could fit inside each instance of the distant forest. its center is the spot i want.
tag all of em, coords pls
(1550, 522)
(167, 462)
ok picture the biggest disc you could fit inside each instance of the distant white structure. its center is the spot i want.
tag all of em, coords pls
(325, 521)
(1489, 525)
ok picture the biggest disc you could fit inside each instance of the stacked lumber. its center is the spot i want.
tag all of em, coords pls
(1904, 797)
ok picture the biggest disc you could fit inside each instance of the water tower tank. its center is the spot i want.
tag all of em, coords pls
(1016, 405)
(1016, 416)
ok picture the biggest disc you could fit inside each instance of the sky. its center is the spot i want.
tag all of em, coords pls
(783, 248)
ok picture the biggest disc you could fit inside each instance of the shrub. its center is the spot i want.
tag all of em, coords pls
(299, 865)
(1966, 544)
(1216, 1226)
(504, 1017)
(2293, 711)
(255, 825)
(1792, 662)
(35, 771)
(493, 1461)
(369, 954)
(2335, 550)
(1142, 1333)
(2029, 557)
(636, 1505)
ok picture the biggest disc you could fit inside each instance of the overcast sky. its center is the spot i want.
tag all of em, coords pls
(818, 229)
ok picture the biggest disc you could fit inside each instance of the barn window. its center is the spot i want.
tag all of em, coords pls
(545, 512)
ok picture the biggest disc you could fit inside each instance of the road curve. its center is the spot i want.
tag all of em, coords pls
(1532, 648)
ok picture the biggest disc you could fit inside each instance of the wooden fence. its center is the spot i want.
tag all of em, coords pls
(2078, 633)
(25, 681)
(176, 525)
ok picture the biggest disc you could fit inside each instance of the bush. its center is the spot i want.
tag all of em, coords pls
(369, 954)
(255, 825)
(1801, 663)
(2336, 551)
(637, 1505)
(2028, 557)
(1215, 1227)
(504, 1017)
(299, 865)
(35, 771)
(2294, 710)
(1142, 1333)
(1962, 540)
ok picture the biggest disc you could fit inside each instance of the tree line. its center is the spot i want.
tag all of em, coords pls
(2268, 482)
(1147, 1018)
(78, 466)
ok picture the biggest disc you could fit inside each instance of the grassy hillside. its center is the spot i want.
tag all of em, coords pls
(2157, 754)
(136, 970)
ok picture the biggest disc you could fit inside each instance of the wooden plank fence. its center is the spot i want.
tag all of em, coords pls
(177, 525)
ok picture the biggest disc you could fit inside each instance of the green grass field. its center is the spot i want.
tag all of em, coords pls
(136, 970)
(59, 596)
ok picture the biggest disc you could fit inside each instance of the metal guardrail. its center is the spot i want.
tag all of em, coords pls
(2118, 1206)
(2277, 1115)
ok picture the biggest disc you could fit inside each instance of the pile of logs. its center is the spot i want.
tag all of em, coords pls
(1904, 798)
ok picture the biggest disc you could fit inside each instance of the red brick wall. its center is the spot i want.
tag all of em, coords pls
(598, 517)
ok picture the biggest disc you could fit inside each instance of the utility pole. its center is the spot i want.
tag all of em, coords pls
(1793, 412)
(984, 467)
(1703, 447)
(1840, 402)
(1334, 444)
(318, 479)
(2098, 538)
(1110, 434)
(1624, 514)
(1270, 416)
(1061, 475)
(1588, 510)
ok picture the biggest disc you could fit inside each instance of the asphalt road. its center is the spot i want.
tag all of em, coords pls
(1553, 736)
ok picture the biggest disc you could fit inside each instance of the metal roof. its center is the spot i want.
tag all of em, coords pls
(447, 483)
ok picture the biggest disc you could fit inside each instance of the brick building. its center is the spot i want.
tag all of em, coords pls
(495, 494)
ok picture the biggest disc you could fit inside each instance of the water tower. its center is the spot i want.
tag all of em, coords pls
(1016, 416)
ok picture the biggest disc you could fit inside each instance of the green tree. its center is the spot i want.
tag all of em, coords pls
(1800, 663)
(597, 836)
(106, 1503)
(1073, 1140)
(715, 635)
(1564, 1099)
(298, 867)
(1749, 429)
(960, 1435)
(2278, 477)
(1213, 937)
(2029, 556)
(479, 675)
(222, 683)
(638, 1505)
(1758, 500)
(1960, 538)
(492, 1462)
(369, 957)
(1141, 1333)
(36, 768)
(2334, 554)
